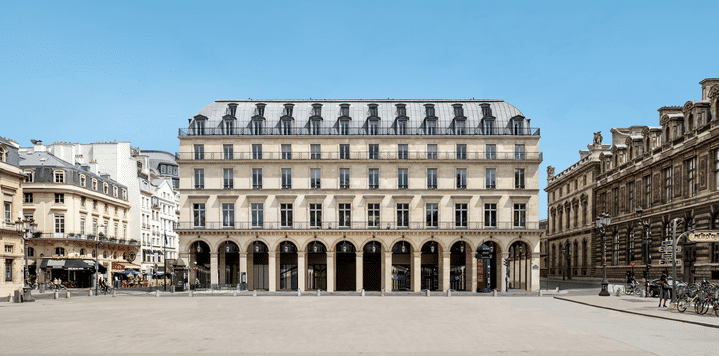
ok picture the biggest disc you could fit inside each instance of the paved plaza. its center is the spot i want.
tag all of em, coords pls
(138, 322)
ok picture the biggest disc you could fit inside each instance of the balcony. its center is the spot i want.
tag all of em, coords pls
(356, 131)
(356, 226)
(354, 155)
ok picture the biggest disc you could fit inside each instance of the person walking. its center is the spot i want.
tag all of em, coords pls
(663, 290)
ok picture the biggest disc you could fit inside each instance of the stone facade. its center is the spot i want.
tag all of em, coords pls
(11, 244)
(354, 195)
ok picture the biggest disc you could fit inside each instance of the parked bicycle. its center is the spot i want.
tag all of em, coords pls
(632, 288)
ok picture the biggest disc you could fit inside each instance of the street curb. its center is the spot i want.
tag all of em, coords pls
(636, 313)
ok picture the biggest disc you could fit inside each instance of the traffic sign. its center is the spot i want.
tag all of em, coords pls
(669, 249)
(667, 243)
(669, 262)
(704, 236)
(633, 264)
(667, 256)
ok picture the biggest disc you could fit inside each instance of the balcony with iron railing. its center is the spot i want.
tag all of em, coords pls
(357, 131)
(360, 155)
(393, 225)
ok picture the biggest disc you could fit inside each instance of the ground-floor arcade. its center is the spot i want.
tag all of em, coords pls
(352, 261)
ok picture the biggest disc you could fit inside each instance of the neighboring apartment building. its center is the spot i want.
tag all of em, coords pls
(671, 171)
(571, 215)
(82, 215)
(11, 243)
(346, 195)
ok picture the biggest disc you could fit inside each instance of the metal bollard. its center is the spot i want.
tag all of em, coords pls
(363, 292)
(190, 293)
(172, 289)
(55, 295)
(67, 294)
(157, 293)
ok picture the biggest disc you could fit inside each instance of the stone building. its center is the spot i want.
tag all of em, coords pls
(348, 195)
(571, 215)
(82, 215)
(11, 243)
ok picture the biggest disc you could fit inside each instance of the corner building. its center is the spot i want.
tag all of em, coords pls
(349, 195)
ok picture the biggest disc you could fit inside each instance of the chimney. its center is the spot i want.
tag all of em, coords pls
(37, 146)
(93, 166)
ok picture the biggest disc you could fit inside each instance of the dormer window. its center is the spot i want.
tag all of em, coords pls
(228, 125)
(402, 119)
(518, 126)
(344, 110)
(372, 120)
(232, 109)
(30, 176)
(488, 126)
(429, 110)
(401, 111)
(316, 126)
(288, 110)
(59, 176)
(104, 188)
(317, 110)
(257, 126)
(114, 191)
(3, 153)
(344, 119)
(83, 181)
(260, 110)
(458, 110)
(430, 120)
(486, 110)
(316, 119)
(199, 126)
(94, 184)
(459, 120)
(372, 110)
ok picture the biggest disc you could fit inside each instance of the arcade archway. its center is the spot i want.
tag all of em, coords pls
(372, 266)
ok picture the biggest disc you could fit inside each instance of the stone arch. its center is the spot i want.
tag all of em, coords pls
(469, 243)
(250, 243)
(186, 247)
(391, 243)
(439, 243)
(276, 246)
(305, 246)
(339, 241)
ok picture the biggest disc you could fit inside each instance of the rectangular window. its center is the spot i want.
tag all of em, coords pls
(286, 178)
(345, 217)
(668, 185)
(8, 212)
(315, 182)
(286, 215)
(316, 128)
(344, 127)
(461, 151)
(459, 127)
(373, 178)
(372, 215)
(691, 177)
(615, 204)
(286, 127)
(199, 152)
(198, 214)
(402, 127)
(316, 216)
(373, 127)
(461, 178)
(258, 215)
(490, 215)
(59, 198)
(8, 270)
(630, 198)
(432, 214)
(256, 178)
(490, 178)
(490, 151)
(519, 178)
(373, 151)
(199, 178)
(59, 224)
(344, 178)
(344, 151)
(460, 215)
(315, 152)
(256, 151)
(431, 151)
(520, 215)
(402, 152)
(430, 127)
(228, 215)
(286, 151)
(227, 181)
(60, 177)
(432, 178)
(227, 152)
(518, 151)
(402, 178)
(82, 226)
(28, 197)
(716, 170)
(402, 215)
(94, 227)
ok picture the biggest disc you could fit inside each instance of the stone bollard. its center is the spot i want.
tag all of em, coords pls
(449, 292)
(494, 292)
(299, 292)
(18, 296)
(540, 293)
(90, 293)
(363, 292)
(318, 292)
(9, 298)
(190, 293)
(157, 293)
(113, 293)
(42, 288)
(67, 294)
(556, 290)
(643, 293)
(618, 292)
(172, 289)
(382, 292)
(427, 290)
(254, 293)
(234, 293)
(55, 295)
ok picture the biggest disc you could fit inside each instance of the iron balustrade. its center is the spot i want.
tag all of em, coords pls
(357, 131)
(364, 155)
(306, 225)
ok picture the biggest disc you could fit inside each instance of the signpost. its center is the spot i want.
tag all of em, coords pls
(669, 249)
(703, 236)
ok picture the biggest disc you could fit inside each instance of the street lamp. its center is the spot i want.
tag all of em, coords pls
(646, 248)
(97, 255)
(602, 222)
(25, 228)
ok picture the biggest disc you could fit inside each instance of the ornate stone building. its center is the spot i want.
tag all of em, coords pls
(571, 214)
(671, 171)
(349, 195)
(11, 244)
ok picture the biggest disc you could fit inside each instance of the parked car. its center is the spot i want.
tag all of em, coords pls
(654, 286)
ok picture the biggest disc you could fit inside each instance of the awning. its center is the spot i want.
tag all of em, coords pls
(72, 265)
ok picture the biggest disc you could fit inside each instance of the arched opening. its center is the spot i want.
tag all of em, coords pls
(402, 266)
(200, 264)
(316, 266)
(372, 266)
(494, 272)
(458, 266)
(258, 261)
(430, 266)
(288, 266)
(345, 266)
(519, 265)
(228, 256)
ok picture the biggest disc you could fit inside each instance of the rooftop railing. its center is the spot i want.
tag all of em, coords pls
(295, 225)
(357, 131)
(355, 155)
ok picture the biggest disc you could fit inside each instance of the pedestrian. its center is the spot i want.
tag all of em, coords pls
(197, 283)
(509, 283)
(663, 290)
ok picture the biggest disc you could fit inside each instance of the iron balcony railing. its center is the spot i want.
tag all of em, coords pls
(219, 225)
(357, 131)
(359, 155)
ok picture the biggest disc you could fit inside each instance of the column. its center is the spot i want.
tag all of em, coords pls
(301, 270)
(213, 269)
(534, 276)
(243, 267)
(472, 274)
(2, 271)
(330, 271)
(502, 283)
(221, 266)
(388, 271)
(444, 270)
(417, 271)
(360, 269)
(272, 270)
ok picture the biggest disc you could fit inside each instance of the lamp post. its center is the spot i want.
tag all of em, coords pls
(24, 228)
(646, 248)
(602, 222)
(97, 255)
(564, 271)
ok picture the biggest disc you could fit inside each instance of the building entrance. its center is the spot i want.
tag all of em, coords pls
(458, 266)
(372, 266)
(288, 266)
(260, 266)
(316, 266)
(346, 269)
(402, 266)
(430, 268)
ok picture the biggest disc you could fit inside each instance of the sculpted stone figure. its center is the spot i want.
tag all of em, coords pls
(598, 138)
(550, 171)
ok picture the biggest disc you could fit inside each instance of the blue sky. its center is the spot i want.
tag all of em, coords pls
(86, 71)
